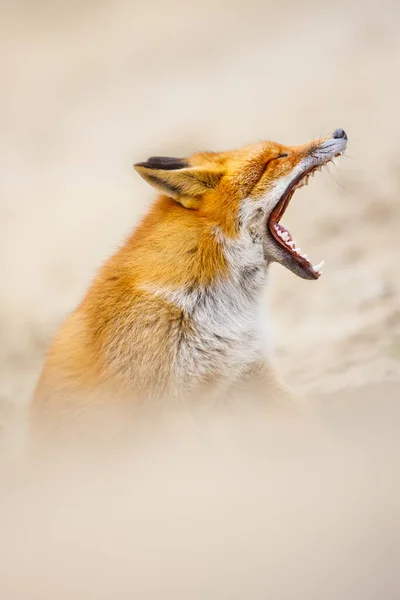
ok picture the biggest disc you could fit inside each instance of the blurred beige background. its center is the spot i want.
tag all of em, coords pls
(89, 88)
(234, 506)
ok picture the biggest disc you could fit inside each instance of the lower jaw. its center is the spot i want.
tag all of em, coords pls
(292, 265)
(300, 267)
(297, 269)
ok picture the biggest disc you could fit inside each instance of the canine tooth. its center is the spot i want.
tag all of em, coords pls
(317, 268)
(291, 244)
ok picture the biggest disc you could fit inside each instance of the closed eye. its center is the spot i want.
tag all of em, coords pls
(270, 161)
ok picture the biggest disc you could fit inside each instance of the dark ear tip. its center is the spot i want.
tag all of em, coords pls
(165, 163)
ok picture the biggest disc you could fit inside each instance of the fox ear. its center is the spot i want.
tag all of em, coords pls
(175, 178)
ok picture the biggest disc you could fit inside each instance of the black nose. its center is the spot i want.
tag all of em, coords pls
(340, 133)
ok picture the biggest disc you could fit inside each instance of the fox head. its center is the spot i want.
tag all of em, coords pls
(247, 190)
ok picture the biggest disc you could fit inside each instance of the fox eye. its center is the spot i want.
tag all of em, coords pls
(274, 158)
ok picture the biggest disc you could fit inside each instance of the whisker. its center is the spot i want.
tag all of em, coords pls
(332, 177)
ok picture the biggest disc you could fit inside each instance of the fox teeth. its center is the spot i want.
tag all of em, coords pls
(291, 244)
(297, 250)
(285, 236)
(318, 268)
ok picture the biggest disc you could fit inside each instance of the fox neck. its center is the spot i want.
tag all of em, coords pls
(226, 274)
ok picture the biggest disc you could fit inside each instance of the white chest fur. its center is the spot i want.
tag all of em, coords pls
(226, 328)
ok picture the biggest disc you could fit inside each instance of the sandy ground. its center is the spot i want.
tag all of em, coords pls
(90, 88)
(217, 507)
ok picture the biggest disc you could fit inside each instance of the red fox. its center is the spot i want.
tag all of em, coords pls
(178, 310)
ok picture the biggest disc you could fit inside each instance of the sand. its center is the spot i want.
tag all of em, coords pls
(89, 89)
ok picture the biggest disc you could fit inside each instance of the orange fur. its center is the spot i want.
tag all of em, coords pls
(123, 339)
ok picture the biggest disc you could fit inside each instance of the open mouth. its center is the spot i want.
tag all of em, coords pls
(282, 235)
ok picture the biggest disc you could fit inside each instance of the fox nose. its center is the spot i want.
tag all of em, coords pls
(340, 133)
